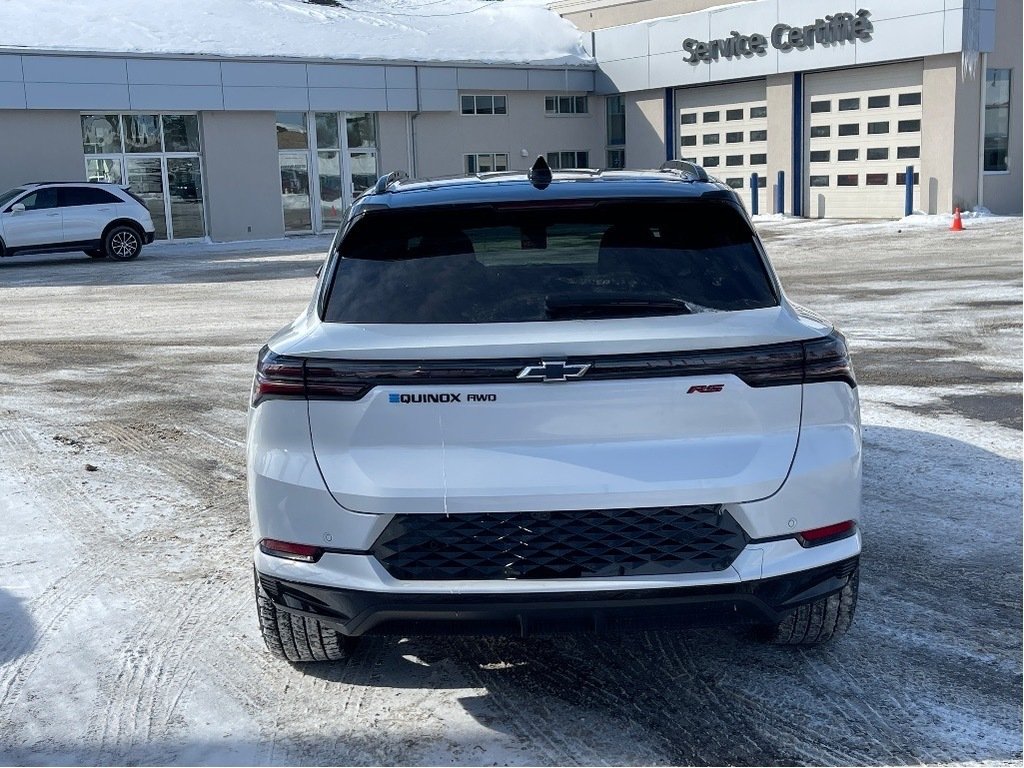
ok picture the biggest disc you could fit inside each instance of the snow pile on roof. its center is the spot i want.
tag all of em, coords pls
(471, 31)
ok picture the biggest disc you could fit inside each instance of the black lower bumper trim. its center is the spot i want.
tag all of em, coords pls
(358, 612)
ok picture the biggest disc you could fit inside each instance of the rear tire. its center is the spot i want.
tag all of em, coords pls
(122, 243)
(821, 621)
(297, 638)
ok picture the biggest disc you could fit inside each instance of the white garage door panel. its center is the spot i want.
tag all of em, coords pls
(725, 129)
(862, 128)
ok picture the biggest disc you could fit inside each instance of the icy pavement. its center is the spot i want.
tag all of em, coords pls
(127, 629)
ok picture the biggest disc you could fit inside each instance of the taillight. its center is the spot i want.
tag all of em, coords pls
(827, 534)
(828, 359)
(277, 376)
(302, 552)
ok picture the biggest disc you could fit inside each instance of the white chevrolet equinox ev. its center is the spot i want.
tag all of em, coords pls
(542, 402)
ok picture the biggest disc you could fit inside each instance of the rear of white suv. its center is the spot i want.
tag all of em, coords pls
(577, 403)
(103, 220)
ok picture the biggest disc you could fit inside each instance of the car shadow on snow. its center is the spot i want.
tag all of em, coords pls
(17, 630)
(930, 671)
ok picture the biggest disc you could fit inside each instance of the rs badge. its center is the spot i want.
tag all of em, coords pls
(705, 388)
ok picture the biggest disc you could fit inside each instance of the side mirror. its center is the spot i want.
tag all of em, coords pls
(18, 208)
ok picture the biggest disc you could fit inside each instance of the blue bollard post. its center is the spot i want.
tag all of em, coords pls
(780, 193)
(753, 194)
(908, 201)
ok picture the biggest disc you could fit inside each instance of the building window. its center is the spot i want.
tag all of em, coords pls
(688, 141)
(615, 110)
(909, 99)
(821, 106)
(688, 118)
(734, 160)
(846, 180)
(762, 181)
(710, 138)
(710, 162)
(819, 181)
(756, 112)
(711, 117)
(820, 131)
(845, 105)
(849, 129)
(907, 153)
(735, 137)
(909, 126)
(735, 182)
(880, 127)
(734, 114)
(901, 179)
(759, 135)
(158, 157)
(569, 159)
(845, 155)
(997, 119)
(484, 104)
(615, 125)
(820, 156)
(564, 105)
(878, 102)
(486, 162)
(876, 179)
(761, 159)
(878, 153)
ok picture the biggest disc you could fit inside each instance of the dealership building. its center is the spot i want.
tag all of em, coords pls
(268, 119)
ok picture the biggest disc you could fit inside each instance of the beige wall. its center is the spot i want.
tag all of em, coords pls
(779, 95)
(949, 136)
(589, 15)
(393, 142)
(645, 129)
(40, 145)
(1002, 191)
(243, 183)
(443, 139)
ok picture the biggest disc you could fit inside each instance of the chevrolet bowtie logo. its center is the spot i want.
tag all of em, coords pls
(553, 371)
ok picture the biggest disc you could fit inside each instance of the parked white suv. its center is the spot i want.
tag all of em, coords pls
(104, 220)
(541, 402)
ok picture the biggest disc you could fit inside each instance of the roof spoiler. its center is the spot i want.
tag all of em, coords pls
(691, 170)
(387, 180)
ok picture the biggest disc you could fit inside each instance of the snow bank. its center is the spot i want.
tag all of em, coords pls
(470, 31)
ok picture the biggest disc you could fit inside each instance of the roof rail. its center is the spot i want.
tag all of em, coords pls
(691, 170)
(386, 181)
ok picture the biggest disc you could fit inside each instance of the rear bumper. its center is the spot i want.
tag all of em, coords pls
(148, 237)
(361, 612)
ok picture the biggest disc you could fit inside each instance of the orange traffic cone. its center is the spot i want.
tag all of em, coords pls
(958, 225)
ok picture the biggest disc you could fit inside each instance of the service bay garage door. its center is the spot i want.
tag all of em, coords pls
(725, 129)
(862, 129)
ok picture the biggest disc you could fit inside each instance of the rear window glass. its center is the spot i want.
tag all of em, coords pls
(562, 262)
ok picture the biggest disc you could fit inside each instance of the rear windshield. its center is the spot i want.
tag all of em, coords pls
(529, 263)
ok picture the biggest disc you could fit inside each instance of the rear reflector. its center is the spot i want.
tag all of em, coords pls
(829, 533)
(286, 549)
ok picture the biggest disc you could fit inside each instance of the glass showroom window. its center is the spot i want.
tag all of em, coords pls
(615, 121)
(158, 157)
(338, 151)
(997, 119)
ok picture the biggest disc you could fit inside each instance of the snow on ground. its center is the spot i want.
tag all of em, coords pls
(480, 31)
(127, 628)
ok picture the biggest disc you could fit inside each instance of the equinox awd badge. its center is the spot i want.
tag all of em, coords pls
(553, 371)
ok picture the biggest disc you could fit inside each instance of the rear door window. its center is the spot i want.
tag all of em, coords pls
(75, 196)
(558, 262)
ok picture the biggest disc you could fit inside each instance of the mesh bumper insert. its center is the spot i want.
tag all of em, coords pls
(563, 544)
